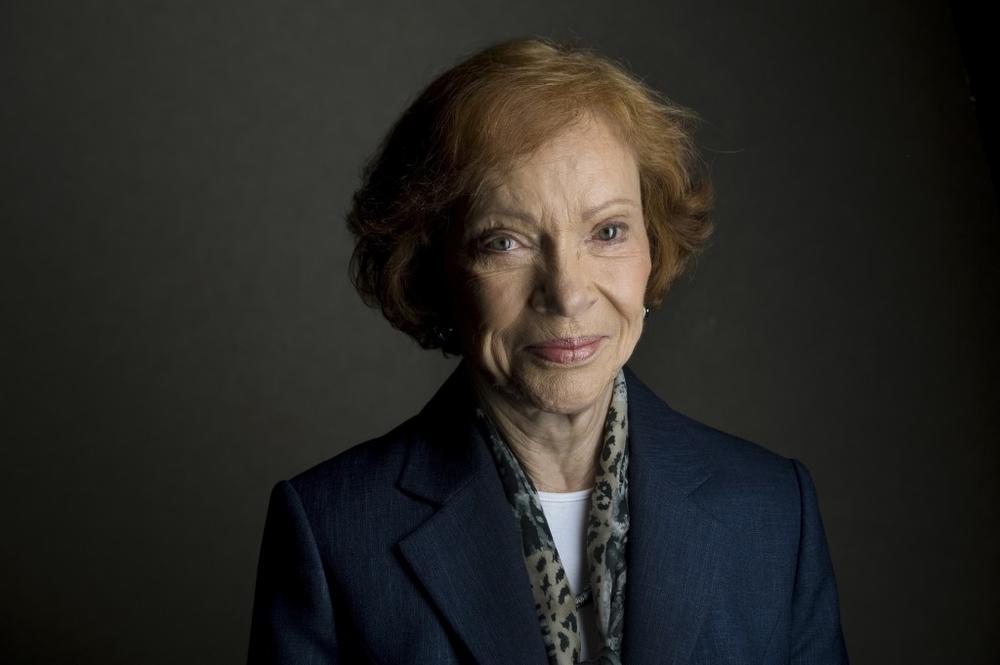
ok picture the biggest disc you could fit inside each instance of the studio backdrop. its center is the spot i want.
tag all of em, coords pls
(180, 333)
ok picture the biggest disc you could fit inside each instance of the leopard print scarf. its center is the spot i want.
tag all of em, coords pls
(607, 529)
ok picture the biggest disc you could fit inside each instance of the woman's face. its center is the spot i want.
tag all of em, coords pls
(551, 273)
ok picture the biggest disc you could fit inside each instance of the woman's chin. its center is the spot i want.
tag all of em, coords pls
(562, 389)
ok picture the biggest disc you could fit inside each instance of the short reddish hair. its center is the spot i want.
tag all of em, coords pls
(474, 121)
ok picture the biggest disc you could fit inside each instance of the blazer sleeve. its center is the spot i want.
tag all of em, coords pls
(292, 619)
(816, 635)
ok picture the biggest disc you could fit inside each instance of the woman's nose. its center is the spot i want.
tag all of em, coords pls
(563, 286)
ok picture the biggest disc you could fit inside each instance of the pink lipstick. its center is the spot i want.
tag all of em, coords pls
(567, 350)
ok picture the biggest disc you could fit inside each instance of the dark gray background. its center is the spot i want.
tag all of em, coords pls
(179, 331)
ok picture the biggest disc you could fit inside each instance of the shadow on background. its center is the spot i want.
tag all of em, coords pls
(180, 332)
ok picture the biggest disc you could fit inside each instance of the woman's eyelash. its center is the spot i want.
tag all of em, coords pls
(489, 242)
(620, 228)
(485, 242)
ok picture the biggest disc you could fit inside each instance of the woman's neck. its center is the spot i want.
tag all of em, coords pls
(558, 451)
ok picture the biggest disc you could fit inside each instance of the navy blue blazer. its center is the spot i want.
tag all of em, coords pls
(403, 549)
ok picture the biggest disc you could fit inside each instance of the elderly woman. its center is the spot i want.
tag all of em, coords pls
(526, 212)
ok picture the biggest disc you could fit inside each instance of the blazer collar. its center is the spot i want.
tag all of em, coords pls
(468, 554)
(449, 451)
(673, 549)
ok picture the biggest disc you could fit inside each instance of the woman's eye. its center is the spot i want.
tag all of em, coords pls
(610, 233)
(500, 244)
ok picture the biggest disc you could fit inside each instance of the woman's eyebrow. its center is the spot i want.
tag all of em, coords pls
(495, 211)
(590, 212)
(527, 218)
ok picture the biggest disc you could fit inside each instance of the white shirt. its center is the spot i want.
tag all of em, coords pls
(567, 513)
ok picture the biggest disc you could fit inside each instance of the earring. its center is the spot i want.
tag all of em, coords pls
(443, 334)
(645, 312)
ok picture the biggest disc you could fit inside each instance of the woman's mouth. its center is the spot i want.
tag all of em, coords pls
(567, 350)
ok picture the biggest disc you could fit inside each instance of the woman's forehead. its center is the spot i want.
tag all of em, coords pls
(581, 169)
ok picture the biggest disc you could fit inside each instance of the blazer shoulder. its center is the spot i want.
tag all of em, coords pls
(725, 453)
(750, 487)
(741, 475)
(728, 451)
(747, 478)
(368, 466)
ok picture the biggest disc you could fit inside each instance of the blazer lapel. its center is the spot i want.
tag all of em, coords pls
(468, 554)
(673, 546)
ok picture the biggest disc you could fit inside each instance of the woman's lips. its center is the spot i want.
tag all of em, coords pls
(567, 351)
